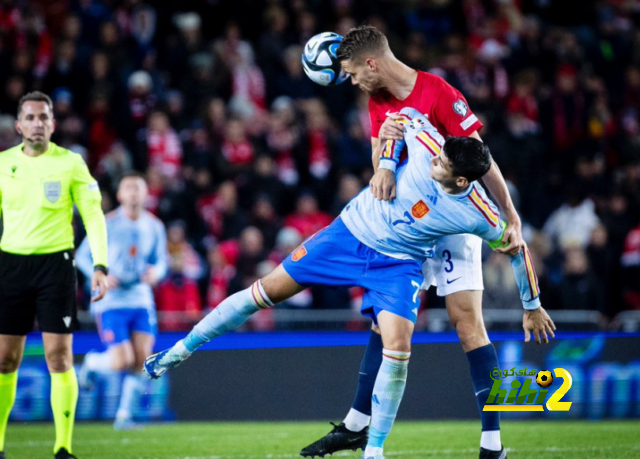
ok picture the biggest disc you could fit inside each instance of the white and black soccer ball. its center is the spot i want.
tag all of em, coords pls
(320, 61)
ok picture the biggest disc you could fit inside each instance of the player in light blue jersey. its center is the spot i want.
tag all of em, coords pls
(380, 245)
(126, 317)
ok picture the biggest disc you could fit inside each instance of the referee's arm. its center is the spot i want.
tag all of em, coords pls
(86, 196)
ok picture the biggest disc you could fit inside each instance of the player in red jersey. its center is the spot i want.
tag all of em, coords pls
(456, 268)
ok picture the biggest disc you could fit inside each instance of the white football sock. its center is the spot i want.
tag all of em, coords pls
(356, 421)
(491, 440)
(132, 387)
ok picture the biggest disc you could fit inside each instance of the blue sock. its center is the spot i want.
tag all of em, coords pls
(482, 362)
(387, 395)
(368, 373)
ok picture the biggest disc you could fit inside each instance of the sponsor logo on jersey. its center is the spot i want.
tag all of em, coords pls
(460, 107)
(52, 191)
(420, 209)
(299, 254)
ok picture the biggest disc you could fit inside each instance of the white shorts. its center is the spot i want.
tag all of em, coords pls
(456, 265)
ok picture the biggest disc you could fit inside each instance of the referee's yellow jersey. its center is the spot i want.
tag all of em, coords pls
(37, 196)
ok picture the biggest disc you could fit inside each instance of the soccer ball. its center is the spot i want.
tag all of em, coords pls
(319, 59)
(544, 378)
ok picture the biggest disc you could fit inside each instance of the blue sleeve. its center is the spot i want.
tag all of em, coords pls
(84, 261)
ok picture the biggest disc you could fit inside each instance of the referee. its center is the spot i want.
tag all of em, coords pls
(39, 184)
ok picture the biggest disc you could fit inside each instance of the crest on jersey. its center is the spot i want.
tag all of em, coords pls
(420, 209)
(460, 108)
(52, 191)
(298, 254)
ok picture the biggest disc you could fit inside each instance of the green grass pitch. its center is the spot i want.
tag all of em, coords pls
(280, 440)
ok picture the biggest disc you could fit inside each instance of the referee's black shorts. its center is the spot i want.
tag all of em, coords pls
(41, 287)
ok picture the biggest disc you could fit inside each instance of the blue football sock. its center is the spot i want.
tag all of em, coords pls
(368, 373)
(482, 362)
(387, 395)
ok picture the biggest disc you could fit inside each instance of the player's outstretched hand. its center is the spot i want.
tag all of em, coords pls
(383, 185)
(99, 281)
(538, 322)
(390, 130)
(513, 237)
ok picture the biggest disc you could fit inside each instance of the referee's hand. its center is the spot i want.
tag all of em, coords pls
(99, 284)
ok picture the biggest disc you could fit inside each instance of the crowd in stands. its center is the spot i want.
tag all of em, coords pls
(245, 156)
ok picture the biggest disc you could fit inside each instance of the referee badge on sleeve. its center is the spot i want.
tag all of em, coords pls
(52, 191)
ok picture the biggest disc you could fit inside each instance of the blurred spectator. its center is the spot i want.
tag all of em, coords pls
(265, 218)
(177, 297)
(141, 100)
(580, 288)
(307, 218)
(221, 273)
(283, 139)
(116, 162)
(348, 188)
(164, 150)
(631, 269)
(292, 81)
(188, 262)
(8, 135)
(573, 222)
(237, 150)
(287, 240)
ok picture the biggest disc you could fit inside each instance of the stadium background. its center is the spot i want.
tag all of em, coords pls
(245, 157)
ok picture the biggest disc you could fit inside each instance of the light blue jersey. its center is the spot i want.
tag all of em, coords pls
(422, 212)
(134, 246)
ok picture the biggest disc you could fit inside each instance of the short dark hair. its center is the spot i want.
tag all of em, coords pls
(360, 40)
(131, 174)
(469, 158)
(34, 96)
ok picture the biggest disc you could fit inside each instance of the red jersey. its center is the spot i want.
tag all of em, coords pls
(445, 106)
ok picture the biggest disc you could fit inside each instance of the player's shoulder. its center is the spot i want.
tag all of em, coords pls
(9, 153)
(153, 220)
(432, 81)
(484, 209)
(67, 155)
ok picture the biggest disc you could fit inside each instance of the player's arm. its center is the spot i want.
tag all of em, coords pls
(158, 262)
(495, 183)
(535, 318)
(453, 113)
(383, 182)
(86, 196)
(84, 262)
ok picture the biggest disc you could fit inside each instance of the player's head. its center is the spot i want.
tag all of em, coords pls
(35, 122)
(132, 190)
(361, 53)
(462, 161)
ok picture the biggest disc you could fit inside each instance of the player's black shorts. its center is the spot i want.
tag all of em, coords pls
(39, 287)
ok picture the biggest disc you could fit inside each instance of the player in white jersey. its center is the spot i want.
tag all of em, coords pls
(380, 245)
(127, 317)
